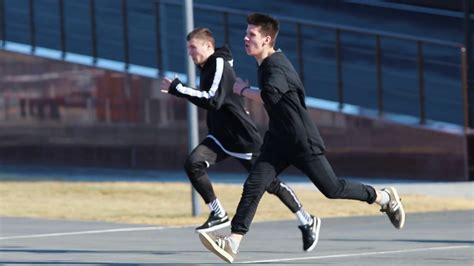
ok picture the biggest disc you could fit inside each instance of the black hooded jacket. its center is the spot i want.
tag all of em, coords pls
(291, 131)
(227, 119)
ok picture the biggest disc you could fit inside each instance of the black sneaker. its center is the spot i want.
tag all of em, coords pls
(394, 208)
(214, 222)
(310, 234)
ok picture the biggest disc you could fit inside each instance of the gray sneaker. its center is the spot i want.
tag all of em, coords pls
(218, 245)
(394, 208)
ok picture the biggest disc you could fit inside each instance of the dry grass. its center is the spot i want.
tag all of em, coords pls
(170, 203)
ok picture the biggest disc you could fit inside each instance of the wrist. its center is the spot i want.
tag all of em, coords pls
(243, 89)
(173, 85)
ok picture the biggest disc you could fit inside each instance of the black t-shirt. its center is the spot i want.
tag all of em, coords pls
(291, 131)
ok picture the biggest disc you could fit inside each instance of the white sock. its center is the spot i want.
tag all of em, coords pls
(216, 206)
(233, 244)
(385, 197)
(304, 217)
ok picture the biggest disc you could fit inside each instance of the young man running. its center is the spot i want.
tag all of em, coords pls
(231, 132)
(292, 139)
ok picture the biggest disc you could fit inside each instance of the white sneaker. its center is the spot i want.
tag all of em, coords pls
(218, 245)
(394, 208)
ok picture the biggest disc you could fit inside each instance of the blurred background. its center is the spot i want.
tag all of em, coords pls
(389, 83)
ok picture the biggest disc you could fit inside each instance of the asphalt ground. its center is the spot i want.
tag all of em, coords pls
(438, 238)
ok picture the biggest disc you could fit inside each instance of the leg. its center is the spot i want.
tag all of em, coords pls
(321, 174)
(285, 194)
(248, 164)
(277, 187)
(263, 172)
(309, 225)
(203, 156)
(318, 169)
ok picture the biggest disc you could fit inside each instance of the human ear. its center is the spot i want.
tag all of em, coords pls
(267, 40)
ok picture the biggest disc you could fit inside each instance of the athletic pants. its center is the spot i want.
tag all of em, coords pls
(208, 153)
(269, 165)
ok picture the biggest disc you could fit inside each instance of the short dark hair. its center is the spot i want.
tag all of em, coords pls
(201, 33)
(268, 25)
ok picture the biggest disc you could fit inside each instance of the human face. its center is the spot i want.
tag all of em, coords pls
(199, 50)
(255, 42)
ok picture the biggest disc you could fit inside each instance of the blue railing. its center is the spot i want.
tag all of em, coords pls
(382, 71)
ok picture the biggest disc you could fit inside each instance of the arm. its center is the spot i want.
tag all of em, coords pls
(274, 85)
(243, 89)
(210, 97)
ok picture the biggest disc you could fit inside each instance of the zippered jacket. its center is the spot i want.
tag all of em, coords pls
(227, 120)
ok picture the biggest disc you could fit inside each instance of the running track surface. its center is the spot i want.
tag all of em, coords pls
(438, 238)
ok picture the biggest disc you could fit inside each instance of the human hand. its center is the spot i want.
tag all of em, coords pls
(165, 85)
(239, 85)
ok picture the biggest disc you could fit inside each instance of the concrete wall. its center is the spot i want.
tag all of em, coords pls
(55, 113)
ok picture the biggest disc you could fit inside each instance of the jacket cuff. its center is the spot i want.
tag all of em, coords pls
(173, 85)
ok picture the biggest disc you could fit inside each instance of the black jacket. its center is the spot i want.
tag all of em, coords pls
(227, 119)
(291, 130)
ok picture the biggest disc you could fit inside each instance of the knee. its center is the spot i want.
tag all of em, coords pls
(273, 187)
(330, 194)
(194, 168)
(254, 186)
(334, 192)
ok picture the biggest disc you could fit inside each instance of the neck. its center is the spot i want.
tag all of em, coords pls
(209, 55)
(264, 54)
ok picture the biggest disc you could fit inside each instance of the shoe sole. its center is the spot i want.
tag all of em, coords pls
(318, 226)
(209, 243)
(214, 228)
(401, 210)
